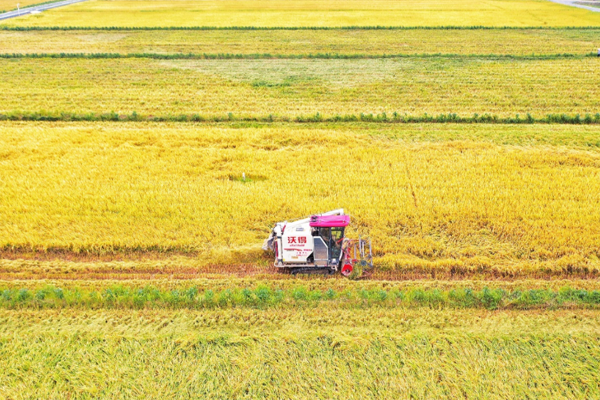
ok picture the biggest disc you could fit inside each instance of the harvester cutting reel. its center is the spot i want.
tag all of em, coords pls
(317, 245)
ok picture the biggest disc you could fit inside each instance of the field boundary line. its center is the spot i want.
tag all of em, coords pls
(286, 28)
(194, 297)
(261, 56)
(384, 118)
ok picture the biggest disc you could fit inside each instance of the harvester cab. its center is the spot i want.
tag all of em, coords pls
(318, 244)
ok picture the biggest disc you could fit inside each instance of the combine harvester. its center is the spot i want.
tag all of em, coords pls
(317, 245)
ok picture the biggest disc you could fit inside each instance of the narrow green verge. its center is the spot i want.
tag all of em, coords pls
(395, 117)
(120, 297)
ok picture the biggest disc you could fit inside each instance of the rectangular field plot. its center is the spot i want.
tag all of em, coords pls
(446, 197)
(312, 13)
(291, 88)
(299, 42)
(302, 353)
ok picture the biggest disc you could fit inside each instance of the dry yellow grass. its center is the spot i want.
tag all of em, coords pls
(285, 42)
(313, 13)
(467, 204)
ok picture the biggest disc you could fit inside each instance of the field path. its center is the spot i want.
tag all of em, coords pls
(28, 10)
(578, 4)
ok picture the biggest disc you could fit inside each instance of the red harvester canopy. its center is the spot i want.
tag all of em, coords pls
(329, 221)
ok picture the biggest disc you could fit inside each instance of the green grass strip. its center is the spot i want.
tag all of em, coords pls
(283, 28)
(122, 297)
(395, 117)
(257, 56)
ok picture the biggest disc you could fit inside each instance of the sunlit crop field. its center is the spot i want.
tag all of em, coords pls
(313, 13)
(299, 353)
(8, 5)
(130, 249)
(291, 88)
(462, 198)
(298, 42)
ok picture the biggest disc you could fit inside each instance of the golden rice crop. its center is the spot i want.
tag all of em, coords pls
(8, 5)
(291, 88)
(466, 204)
(313, 13)
(101, 215)
(293, 42)
(298, 354)
(298, 323)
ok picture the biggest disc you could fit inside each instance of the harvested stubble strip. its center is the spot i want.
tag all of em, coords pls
(314, 283)
(152, 266)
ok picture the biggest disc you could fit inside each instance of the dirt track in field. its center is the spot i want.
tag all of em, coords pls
(64, 265)
(107, 272)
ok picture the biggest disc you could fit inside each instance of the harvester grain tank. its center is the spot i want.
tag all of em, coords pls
(318, 244)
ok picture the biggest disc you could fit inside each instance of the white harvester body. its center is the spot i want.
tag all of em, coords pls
(317, 244)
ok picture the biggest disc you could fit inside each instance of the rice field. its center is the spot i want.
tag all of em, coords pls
(312, 13)
(520, 42)
(290, 88)
(510, 198)
(298, 353)
(9, 5)
(130, 242)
